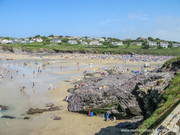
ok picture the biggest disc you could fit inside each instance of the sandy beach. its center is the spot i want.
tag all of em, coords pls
(71, 66)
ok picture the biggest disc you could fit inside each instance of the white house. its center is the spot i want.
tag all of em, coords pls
(176, 44)
(55, 41)
(101, 39)
(6, 41)
(29, 41)
(73, 42)
(84, 43)
(137, 43)
(95, 42)
(74, 37)
(164, 44)
(117, 43)
(151, 43)
(39, 40)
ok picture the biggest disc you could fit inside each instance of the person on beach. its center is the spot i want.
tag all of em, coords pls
(106, 116)
(11, 77)
(33, 85)
(66, 98)
(114, 118)
(78, 66)
(50, 86)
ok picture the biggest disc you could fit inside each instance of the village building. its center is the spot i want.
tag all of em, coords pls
(6, 41)
(176, 44)
(84, 43)
(39, 40)
(95, 42)
(56, 41)
(73, 42)
(164, 44)
(151, 43)
(117, 43)
(137, 43)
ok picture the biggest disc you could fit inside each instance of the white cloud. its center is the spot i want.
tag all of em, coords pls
(139, 16)
(109, 21)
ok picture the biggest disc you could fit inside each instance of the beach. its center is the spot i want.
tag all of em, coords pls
(59, 71)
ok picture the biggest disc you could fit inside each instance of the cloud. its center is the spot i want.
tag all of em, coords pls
(109, 21)
(139, 16)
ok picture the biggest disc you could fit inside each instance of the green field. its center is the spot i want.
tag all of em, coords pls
(94, 49)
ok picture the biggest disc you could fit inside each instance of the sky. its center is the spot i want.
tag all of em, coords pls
(95, 18)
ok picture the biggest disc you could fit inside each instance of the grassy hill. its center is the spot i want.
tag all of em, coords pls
(96, 49)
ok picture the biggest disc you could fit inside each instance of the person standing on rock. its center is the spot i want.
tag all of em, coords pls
(106, 116)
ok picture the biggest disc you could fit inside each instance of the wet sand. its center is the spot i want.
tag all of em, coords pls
(70, 123)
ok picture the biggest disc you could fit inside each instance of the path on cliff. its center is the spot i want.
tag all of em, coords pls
(170, 123)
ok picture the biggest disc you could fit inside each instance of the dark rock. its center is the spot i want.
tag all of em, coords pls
(35, 110)
(129, 125)
(54, 108)
(8, 117)
(26, 118)
(49, 105)
(57, 118)
(2, 107)
(38, 110)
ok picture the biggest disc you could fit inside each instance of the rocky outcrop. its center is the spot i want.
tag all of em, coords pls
(172, 65)
(122, 95)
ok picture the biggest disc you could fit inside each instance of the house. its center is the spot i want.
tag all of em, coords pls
(164, 44)
(89, 38)
(137, 43)
(6, 41)
(72, 42)
(74, 37)
(55, 41)
(95, 42)
(117, 43)
(56, 37)
(143, 39)
(84, 43)
(176, 44)
(29, 41)
(39, 40)
(50, 37)
(151, 43)
(101, 39)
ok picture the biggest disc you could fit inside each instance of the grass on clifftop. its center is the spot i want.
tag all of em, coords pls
(96, 49)
(171, 60)
(169, 97)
